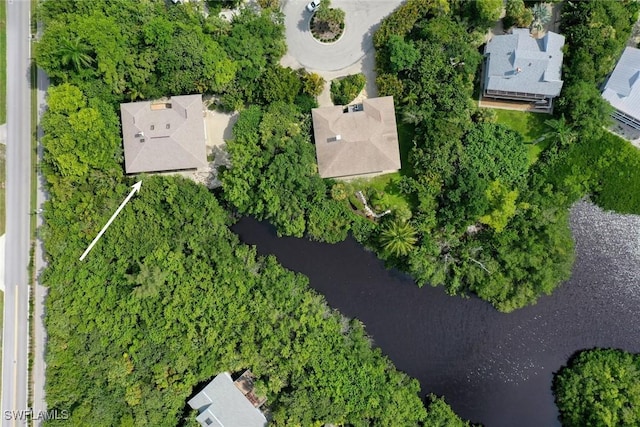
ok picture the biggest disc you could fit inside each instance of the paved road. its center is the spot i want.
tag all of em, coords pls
(362, 18)
(15, 331)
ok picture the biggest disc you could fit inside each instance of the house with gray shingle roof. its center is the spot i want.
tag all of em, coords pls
(622, 89)
(356, 140)
(164, 136)
(522, 68)
(225, 403)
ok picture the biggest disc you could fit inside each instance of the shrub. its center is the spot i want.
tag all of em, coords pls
(403, 19)
(327, 24)
(305, 102)
(280, 84)
(344, 90)
(329, 221)
(269, 4)
(362, 228)
(339, 191)
(232, 100)
(389, 85)
(312, 83)
(517, 15)
(330, 15)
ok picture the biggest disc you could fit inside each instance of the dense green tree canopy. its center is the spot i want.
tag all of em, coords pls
(599, 387)
(586, 159)
(169, 297)
(78, 137)
(402, 54)
(274, 175)
(190, 61)
(254, 42)
(121, 50)
(280, 84)
(478, 227)
(596, 31)
(488, 11)
(495, 152)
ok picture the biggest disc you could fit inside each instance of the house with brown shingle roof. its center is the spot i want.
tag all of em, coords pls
(356, 140)
(164, 136)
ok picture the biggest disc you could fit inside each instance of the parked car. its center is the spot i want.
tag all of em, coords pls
(313, 6)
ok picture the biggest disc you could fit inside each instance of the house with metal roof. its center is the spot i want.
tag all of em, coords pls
(622, 89)
(227, 403)
(164, 135)
(522, 68)
(356, 140)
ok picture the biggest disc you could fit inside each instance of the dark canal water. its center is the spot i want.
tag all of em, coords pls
(492, 368)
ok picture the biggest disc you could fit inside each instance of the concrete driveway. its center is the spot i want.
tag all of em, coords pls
(362, 18)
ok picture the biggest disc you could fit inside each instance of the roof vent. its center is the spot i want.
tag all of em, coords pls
(334, 138)
(139, 135)
(142, 139)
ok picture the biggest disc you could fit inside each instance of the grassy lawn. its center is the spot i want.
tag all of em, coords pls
(386, 185)
(3, 63)
(530, 125)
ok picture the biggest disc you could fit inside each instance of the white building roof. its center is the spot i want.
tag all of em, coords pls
(518, 62)
(622, 90)
(222, 404)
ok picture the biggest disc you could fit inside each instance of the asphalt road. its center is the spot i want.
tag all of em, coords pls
(16, 299)
(362, 18)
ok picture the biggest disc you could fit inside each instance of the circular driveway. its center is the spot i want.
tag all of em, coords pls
(362, 18)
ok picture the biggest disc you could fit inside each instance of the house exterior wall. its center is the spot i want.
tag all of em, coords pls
(626, 119)
(366, 175)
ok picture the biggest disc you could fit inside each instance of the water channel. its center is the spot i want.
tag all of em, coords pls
(492, 368)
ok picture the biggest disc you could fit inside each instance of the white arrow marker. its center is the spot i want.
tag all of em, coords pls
(136, 188)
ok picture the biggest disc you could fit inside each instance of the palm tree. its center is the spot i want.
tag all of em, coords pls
(541, 16)
(75, 53)
(398, 238)
(566, 134)
(411, 117)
